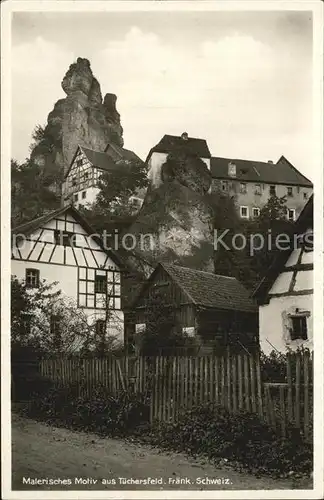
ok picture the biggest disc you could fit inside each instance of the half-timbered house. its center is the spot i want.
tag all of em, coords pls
(82, 178)
(62, 247)
(215, 309)
(285, 294)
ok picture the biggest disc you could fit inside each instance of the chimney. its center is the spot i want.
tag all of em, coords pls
(184, 136)
(231, 169)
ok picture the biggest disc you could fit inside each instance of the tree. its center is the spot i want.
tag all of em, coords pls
(31, 195)
(119, 186)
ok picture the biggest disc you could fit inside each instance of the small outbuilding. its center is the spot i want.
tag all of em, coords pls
(216, 310)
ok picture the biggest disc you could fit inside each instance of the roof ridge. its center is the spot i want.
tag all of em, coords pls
(205, 272)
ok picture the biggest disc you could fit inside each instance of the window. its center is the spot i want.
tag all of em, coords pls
(305, 196)
(291, 214)
(99, 288)
(243, 188)
(257, 189)
(289, 191)
(244, 212)
(84, 194)
(64, 238)
(75, 197)
(32, 278)
(101, 283)
(272, 190)
(255, 212)
(79, 163)
(224, 185)
(298, 328)
(74, 181)
(86, 175)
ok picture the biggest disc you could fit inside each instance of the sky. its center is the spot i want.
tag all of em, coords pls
(240, 80)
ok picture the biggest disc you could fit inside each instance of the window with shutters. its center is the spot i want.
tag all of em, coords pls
(298, 329)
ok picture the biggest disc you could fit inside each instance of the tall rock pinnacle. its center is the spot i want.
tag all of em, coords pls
(82, 117)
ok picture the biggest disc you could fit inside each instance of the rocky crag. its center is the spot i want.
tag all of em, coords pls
(82, 117)
(175, 224)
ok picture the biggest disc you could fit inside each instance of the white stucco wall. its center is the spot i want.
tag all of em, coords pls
(272, 323)
(155, 163)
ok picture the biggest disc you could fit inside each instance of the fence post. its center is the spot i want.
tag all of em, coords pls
(297, 399)
(259, 385)
(289, 382)
(306, 394)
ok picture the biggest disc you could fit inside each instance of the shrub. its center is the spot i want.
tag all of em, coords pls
(242, 437)
(101, 413)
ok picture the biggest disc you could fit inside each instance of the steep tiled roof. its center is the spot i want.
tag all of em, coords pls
(124, 153)
(170, 143)
(256, 171)
(212, 290)
(101, 160)
(304, 222)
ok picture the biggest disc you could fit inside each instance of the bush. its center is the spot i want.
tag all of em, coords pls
(101, 413)
(242, 437)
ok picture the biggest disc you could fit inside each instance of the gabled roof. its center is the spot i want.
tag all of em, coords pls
(192, 145)
(98, 159)
(101, 160)
(304, 222)
(282, 172)
(124, 153)
(34, 224)
(207, 289)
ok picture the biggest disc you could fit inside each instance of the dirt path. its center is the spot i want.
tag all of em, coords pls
(40, 451)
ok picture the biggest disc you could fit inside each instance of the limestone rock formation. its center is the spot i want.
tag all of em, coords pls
(175, 223)
(82, 117)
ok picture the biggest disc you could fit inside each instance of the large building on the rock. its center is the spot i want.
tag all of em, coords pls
(251, 183)
(169, 144)
(81, 180)
(61, 247)
(285, 294)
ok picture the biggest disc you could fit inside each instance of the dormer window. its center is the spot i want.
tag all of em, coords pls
(184, 136)
(231, 169)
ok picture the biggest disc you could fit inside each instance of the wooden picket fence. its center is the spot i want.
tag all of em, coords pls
(174, 384)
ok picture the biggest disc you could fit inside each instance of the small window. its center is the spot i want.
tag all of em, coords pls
(255, 212)
(257, 189)
(75, 197)
(74, 181)
(65, 238)
(79, 163)
(305, 196)
(32, 278)
(244, 212)
(243, 188)
(289, 191)
(298, 328)
(272, 190)
(291, 214)
(84, 194)
(224, 185)
(86, 175)
(100, 284)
